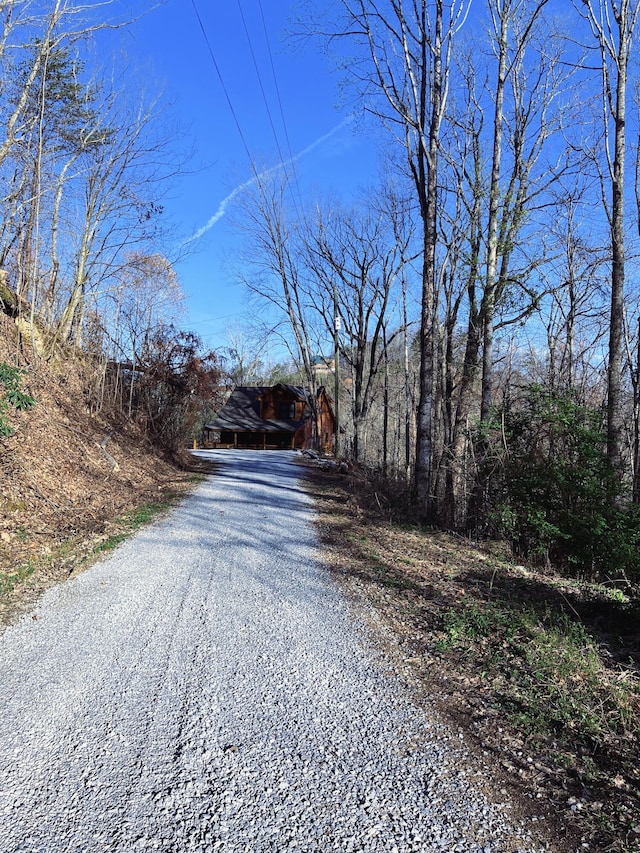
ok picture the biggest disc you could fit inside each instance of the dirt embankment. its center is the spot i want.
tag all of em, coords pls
(68, 474)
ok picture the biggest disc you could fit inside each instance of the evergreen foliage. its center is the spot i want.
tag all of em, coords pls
(12, 395)
(556, 495)
(67, 116)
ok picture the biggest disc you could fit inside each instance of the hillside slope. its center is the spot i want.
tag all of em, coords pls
(68, 475)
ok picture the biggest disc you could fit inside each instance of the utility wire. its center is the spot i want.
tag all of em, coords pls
(275, 79)
(283, 160)
(258, 75)
(224, 88)
(290, 159)
(277, 89)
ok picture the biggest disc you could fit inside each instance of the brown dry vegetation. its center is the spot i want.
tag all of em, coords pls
(70, 481)
(540, 674)
(464, 628)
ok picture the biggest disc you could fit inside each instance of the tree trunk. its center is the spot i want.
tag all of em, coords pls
(614, 397)
(428, 160)
(488, 302)
(636, 424)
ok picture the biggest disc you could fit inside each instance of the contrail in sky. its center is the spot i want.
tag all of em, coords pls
(220, 212)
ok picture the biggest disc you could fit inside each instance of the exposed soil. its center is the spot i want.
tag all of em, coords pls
(68, 475)
(405, 580)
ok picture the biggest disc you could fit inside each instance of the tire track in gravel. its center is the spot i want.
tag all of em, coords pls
(204, 689)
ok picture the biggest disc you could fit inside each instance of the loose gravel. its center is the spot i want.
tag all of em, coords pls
(205, 689)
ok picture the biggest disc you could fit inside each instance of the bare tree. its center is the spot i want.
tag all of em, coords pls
(273, 270)
(355, 257)
(46, 109)
(513, 26)
(573, 314)
(613, 24)
(145, 297)
(243, 357)
(112, 202)
(504, 113)
(53, 115)
(407, 61)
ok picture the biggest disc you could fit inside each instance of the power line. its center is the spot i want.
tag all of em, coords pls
(224, 88)
(275, 79)
(258, 75)
(290, 159)
(277, 89)
(283, 159)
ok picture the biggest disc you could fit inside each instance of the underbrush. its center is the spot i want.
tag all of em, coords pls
(12, 396)
(129, 523)
(10, 579)
(547, 671)
(566, 693)
(542, 671)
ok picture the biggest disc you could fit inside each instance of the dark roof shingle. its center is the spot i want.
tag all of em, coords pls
(241, 412)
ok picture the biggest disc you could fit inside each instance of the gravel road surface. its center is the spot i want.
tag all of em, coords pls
(206, 688)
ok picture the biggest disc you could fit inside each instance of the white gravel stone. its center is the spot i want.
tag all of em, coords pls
(205, 689)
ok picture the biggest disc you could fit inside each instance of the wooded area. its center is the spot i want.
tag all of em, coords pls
(485, 288)
(86, 157)
(482, 296)
(475, 314)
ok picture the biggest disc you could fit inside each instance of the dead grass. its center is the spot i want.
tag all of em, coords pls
(540, 673)
(468, 631)
(61, 495)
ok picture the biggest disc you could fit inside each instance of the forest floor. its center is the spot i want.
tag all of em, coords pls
(73, 481)
(541, 674)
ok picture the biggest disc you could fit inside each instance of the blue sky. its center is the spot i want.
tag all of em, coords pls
(288, 107)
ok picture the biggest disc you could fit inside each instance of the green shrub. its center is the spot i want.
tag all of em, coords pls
(556, 496)
(12, 395)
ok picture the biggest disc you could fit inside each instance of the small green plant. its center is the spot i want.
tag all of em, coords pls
(8, 581)
(12, 395)
(566, 686)
(133, 521)
(110, 543)
(552, 678)
(477, 622)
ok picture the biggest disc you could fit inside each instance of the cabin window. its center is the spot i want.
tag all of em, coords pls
(287, 411)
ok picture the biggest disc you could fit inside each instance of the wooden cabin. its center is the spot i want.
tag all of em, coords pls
(280, 417)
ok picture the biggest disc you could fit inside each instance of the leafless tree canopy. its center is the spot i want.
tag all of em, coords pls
(510, 131)
(85, 160)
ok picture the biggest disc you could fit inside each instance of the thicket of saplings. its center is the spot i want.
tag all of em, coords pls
(542, 481)
(164, 392)
(552, 492)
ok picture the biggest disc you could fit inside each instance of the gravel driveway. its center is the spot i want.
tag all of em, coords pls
(205, 688)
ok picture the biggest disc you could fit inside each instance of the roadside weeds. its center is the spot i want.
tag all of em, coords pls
(541, 674)
(24, 580)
